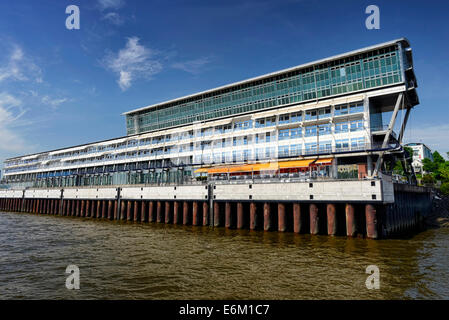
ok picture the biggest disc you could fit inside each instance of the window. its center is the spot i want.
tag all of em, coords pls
(341, 110)
(260, 123)
(357, 143)
(270, 121)
(311, 147)
(284, 134)
(259, 153)
(243, 125)
(283, 151)
(356, 107)
(311, 115)
(341, 127)
(246, 155)
(311, 131)
(342, 145)
(324, 113)
(325, 146)
(267, 137)
(285, 118)
(356, 125)
(296, 117)
(295, 133)
(324, 129)
(269, 151)
(295, 150)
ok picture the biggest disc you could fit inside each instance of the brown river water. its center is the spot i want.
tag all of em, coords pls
(120, 260)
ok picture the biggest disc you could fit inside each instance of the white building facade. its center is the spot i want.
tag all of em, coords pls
(324, 118)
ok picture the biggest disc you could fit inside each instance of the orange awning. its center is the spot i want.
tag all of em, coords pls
(324, 161)
(295, 164)
(263, 166)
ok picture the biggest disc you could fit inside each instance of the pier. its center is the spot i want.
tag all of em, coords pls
(375, 209)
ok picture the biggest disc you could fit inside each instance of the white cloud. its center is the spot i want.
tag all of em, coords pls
(113, 18)
(110, 4)
(133, 62)
(192, 66)
(54, 103)
(434, 136)
(19, 67)
(10, 113)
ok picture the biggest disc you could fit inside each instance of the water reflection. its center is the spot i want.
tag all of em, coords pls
(123, 260)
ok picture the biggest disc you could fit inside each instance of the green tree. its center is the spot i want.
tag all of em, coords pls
(427, 179)
(434, 167)
(445, 188)
(398, 168)
(429, 165)
(444, 171)
(437, 158)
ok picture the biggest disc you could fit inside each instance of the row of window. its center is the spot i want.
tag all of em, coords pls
(284, 134)
(296, 86)
(294, 117)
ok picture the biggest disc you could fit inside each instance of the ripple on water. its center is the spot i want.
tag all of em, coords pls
(120, 260)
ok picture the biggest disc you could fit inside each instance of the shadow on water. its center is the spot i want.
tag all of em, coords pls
(127, 260)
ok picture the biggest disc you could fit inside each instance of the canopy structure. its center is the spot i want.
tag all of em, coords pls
(269, 166)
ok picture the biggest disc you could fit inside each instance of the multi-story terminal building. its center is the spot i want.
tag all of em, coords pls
(420, 152)
(324, 119)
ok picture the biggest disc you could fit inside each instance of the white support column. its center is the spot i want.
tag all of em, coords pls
(388, 133)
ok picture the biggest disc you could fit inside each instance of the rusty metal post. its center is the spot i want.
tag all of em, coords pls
(185, 213)
(110, 213)
(167, 212)
(128, 210)
(195, 215)
(266, 217)
(205, 213)
(228, 217)
(73, 208)
(159, 212)
(83, 212)
(103, 210)
(351, 226)
(92, 208)
(282, 226)
(296, 218)
(122, 210)
(151, 212)
(252, 216)
(143, 212)
(176, 215)
(217, 221)
(69, 208)
(314, 219)
(331, 219)
(136, 211)
(87, 208)
(371, 221)
(97, 208)
(240, 217)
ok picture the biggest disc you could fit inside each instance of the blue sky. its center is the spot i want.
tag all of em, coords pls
(61, 87)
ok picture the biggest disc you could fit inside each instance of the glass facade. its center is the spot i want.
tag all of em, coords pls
(362, 71)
